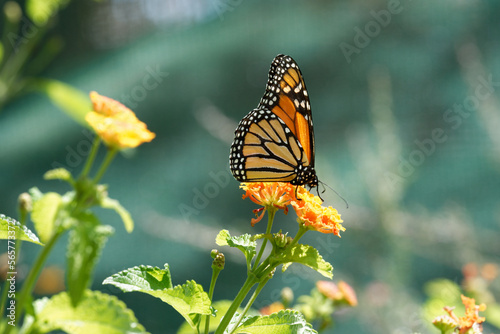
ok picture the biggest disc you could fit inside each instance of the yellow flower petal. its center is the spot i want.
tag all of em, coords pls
(116, 124)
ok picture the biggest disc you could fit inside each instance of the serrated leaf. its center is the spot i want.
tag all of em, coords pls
(283, 322)
(188, 299)
(12, 229)
(44, 214)
(221, 308)
(97, 313)
(58, 174)
(221, 238)
(243, 242)
(85, 244)
(308, 256)
(109, 203)
(141, 278)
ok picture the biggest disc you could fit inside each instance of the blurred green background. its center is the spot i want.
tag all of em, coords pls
(405, 99)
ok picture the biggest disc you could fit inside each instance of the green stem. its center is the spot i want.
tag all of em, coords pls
(271, 211)
(250, 302)
(109, 157)
(251, 280)
(32, 276)
(302, 230)
(215, 274)
(267, 267)
(91, 157)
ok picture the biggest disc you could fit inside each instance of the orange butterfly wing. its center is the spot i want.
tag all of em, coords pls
(286, 96)
(275, 142)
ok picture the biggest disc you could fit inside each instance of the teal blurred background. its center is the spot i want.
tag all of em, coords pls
(405, 100)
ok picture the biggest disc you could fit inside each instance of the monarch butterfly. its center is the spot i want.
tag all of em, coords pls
(275, 141)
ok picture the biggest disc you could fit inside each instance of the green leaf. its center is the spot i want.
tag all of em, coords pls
(283, 322)
(59, 174)
(306, 255)
(35, 194)
(72, 101)
(141, 278)
(44, 214)
(85, 244)
(243, 242)
(221, 308)
(188, 299)
(445, 324)
(40, 11)
(442, 292)
(109, 203)
(492, 314)
(97, 313)
(11, 229)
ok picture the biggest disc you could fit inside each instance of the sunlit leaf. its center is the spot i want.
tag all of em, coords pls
(141, 278)
(188, 299)
(97, 313)
(109, 203)
(243, 242)
(308, 256)
(58, 174)
(11, 229)
(221, 308)
(72, 101)
(283, 322)
(44, 214)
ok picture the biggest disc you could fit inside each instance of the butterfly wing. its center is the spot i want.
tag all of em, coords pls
(287, 97)
(275, 141)
(264, 149)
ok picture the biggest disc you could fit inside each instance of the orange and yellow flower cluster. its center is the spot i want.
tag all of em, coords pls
(308, 207)
(116, 124)
(470, 320)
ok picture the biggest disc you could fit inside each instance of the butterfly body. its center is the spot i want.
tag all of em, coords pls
(275, 141)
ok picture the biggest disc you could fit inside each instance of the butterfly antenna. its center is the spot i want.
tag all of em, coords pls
(324, 184)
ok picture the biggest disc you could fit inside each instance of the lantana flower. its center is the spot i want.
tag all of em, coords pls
(268, 195)
(272, 308)
(307, 206)
(341, 292)
(462, 324)
(315, 216)
(471, 313)
(116, 124)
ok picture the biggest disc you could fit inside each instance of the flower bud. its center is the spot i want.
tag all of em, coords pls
(280, 240)
(25, 203)
(287, 295)
(219, 261)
